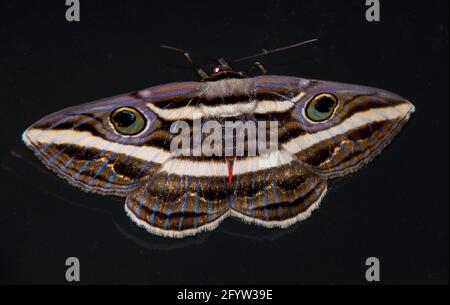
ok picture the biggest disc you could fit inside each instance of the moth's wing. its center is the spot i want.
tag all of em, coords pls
(178, 201)
(173, 205)
(363, 124)
(277, 193)
(81, 145)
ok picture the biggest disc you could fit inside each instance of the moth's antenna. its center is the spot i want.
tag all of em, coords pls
(187, 55)
(266, 52)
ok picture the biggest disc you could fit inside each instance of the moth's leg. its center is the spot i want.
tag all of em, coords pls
(257, 66)
(200, 72)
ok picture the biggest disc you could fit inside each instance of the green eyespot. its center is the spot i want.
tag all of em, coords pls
(321, 107)
(128, 121)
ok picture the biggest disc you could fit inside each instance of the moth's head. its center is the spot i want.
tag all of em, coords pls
(328, 104)
(90, 144)
(223, 70)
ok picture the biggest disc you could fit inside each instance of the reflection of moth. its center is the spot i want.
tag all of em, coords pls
(121, 146)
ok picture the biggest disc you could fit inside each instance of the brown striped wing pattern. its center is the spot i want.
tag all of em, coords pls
(180, 195)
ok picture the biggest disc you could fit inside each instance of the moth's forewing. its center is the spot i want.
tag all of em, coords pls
(81, 145)
(364, 122)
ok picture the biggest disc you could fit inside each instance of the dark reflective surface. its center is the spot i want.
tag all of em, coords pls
(396, 208)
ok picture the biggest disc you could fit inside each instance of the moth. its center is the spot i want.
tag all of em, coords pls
(121, 146)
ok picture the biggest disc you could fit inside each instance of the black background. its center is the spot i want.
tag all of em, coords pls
(395, 209)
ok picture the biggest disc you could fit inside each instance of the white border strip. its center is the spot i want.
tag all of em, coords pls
(222, 111)
(86, 139)
(355, 121)
(220, 169)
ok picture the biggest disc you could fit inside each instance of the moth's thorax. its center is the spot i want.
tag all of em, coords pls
(228, 87)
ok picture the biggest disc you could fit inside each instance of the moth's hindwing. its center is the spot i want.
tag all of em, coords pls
(122, 146)
(178, 205)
